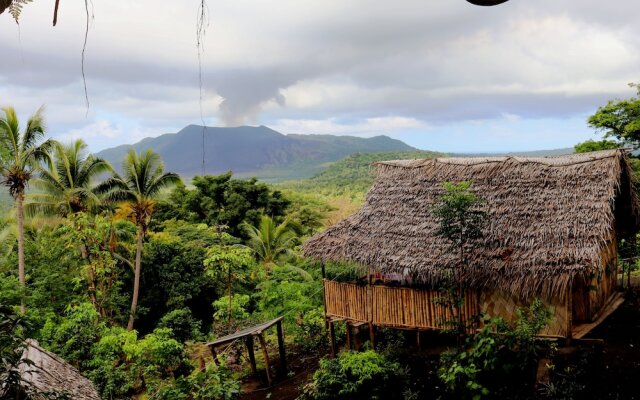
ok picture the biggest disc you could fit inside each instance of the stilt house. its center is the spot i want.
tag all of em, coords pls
(552, 234)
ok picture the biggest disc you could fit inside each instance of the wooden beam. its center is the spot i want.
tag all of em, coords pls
(252, 355)
(283, 359)
(265, 353)
(332, 338)
(582, 330)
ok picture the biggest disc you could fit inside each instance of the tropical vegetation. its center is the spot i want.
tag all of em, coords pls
(126, 272)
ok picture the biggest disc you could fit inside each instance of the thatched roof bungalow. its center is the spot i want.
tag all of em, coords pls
(552, 233)
(48, 373)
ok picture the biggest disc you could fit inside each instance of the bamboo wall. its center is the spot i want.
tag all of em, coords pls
(408, 308)
(397, 307)
(346, 300)
(500, 304)
(591, 296)
(603, 285)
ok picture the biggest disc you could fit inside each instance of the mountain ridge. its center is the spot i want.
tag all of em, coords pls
(252, 151)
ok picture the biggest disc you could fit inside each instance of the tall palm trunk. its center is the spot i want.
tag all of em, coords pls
(136, 279)
(21, 275)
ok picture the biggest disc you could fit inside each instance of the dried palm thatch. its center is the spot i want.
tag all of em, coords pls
(48, 373)
(550, 220)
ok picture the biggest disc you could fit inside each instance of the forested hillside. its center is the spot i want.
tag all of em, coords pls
(353, 175)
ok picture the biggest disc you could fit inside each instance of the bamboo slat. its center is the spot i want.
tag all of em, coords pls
(392, 306)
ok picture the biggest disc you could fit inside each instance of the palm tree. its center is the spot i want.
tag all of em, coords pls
(270, 242)
(22, 155)
(143, 180)
(66, 182)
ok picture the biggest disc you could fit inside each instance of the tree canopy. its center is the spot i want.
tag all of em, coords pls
(620, 119)
(596, 145)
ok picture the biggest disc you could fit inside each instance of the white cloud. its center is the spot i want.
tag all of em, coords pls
(314, 65)
(367, 127)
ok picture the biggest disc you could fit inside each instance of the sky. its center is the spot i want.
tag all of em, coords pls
(439, 74)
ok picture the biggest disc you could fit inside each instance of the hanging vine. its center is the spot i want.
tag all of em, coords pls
(201, 31)
(15, 9)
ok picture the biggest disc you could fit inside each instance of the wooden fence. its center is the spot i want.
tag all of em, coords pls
(397, 307)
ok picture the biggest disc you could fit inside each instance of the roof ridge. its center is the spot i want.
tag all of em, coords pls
(569, 160)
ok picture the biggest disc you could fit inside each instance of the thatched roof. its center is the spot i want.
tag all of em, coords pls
(50, 373)
(550, 220)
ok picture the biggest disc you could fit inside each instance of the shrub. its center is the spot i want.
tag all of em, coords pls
(72, 336)
(354, 375)
(182, 324)
(498, 351)
(214, 383)
(311, 331)
(122, 365)
(239, 303)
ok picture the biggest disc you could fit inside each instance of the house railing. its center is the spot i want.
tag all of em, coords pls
(398, 307)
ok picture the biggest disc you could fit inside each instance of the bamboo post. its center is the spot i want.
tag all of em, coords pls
(252, 355)
(283, 359)
(265, 353)
(369, 315)
(569, 301)
(324, 295)
(332, 338)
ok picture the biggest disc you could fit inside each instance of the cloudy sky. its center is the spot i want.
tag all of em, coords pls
(438, 74)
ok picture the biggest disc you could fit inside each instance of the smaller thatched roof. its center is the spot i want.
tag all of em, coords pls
(551, 220)
(50, 373)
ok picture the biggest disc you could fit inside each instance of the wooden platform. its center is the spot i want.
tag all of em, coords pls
(579, 331)
(247, 335)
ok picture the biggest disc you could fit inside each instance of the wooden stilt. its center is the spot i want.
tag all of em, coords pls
(418, 343)
(252, 355)
(265, 353)
(324, 296)
(357, 343)
(348, 335)
(332, 338)
(283, 359)
(372, 336)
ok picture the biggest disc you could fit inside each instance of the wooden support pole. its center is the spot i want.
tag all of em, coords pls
(348, 335)
(372, 336)
(418, 342)
(332, 338)
(214, 354)
(252, 355)
(324, 296)
(265, 353)
(283, 359)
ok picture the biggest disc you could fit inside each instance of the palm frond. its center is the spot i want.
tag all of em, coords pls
(10, 130)
(297, 270)
(15, 8)
(41, 208)
(166, 180)
(34, 130)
